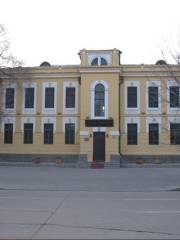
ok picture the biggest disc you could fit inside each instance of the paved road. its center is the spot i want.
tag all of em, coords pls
(53, 203)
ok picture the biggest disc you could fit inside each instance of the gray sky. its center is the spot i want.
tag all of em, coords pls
(55, 30)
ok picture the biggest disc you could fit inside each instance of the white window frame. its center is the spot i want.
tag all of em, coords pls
(106, 56)
(106, 110)
(153, 84)
(28, 120)
(68, 84)
(129, 120)
(9, 110)
(49, 110)
(133, 83)
(172, 83)
(69, 120)
(29, 110)
(48, 120)
(5, 120)
(153, 119)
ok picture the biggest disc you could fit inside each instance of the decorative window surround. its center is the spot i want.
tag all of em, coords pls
(84, 133)
(171, 83)
(48, 120)
(99, 129)
(114, 133)
(75, 109)
(28, 120)
(153, 84)
(9, 110)
(173, 120)
(29, 110)
(69, 120)
(5, 120)
(153, 120)
(132, 84)
(49, 110)
(106, 56)
(93, 85)
(132, 120)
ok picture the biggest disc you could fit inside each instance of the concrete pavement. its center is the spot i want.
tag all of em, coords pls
(53, 203)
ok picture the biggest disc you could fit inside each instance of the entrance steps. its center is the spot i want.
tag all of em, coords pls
(97, 165)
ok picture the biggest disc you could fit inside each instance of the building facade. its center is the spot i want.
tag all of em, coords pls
(98, 111)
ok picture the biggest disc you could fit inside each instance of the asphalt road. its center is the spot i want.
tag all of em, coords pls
(55, 203)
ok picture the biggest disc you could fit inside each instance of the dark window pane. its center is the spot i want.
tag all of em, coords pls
(153, 133)
(132, 134)
(153, 97)
(174, 97)
(103, 61)
(132, 97)
(175, 133)
(9, 101)
(70, 97)
(28, 133)
(8, 133)
(94, 61)
(69, 133)
(99, 104)
(29, 97)
(48, 133)
(49, 97)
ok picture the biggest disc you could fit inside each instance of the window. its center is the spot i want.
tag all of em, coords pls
(98, 61)
(174, 97)
(9, 101)
(49, 97)
(28, 133)
(103, 61)
(175, 133)
(99, 101)
(153, 97)
(8, 133)
(132, 133)
(29, 97)
(94, 61)
(69, 133)
(132, 97)
(70, 97)
(48, 133)
(153, 133)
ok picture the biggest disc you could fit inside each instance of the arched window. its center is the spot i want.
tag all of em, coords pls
(94, 61)
(98, 61)
(103, 61)
(99, 103)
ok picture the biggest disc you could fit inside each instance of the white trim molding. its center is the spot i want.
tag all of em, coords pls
(5, 120)
(99, 129)
(132, 120)
(84, 133)
(48, 120)
(69, 120)
(49, 110)
(114, 133)
(4, 87)
(132, 84)
(154, 83)
(172, 83)
(106, 87)
(29, 85)
(153, 119)
(28, 120)
(67, 84)
(173, 120)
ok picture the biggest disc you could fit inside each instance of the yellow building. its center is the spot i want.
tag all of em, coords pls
(98, 111)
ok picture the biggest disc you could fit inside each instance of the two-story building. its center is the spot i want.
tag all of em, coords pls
(98, 111)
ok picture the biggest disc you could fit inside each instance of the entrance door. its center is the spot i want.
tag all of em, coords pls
(99, 146)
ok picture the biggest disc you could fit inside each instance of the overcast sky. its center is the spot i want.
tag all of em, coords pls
(55, 30)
